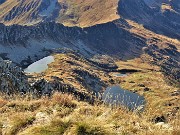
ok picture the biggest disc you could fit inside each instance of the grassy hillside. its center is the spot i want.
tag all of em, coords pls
(87, 13)
(68, 12)
(62, 114)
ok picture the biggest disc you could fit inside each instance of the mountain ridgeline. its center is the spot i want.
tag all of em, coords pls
(160, 16)
(92, 40)
(89, 67)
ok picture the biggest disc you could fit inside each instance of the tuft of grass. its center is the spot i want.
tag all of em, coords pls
(56, 127)
(1, 126)
(83, 128)
(63, 100)
(23, 106)
(20, 122)
(63, 111)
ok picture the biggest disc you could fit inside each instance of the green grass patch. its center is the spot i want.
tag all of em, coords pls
(86, 129)
(19, 123)
(57, 127)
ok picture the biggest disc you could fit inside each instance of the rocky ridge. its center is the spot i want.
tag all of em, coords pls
(46, 37)
(12, 78)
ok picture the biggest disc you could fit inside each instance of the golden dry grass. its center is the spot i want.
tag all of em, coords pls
(76, 12)
(158, 97)
(87, 13)
(23, 16)
(80, 119)
(63, 114)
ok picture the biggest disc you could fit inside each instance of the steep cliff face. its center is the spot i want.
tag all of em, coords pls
(167, 20)
(170, 4)
(16, 34)
(12, 78)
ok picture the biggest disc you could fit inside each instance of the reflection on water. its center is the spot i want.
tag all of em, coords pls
(119, 75)
(116, 96)
(39, 66)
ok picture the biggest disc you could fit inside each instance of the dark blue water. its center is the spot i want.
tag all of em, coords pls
(116, 96)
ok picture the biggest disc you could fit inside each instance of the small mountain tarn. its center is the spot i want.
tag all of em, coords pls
(116, 96)
(39, 66)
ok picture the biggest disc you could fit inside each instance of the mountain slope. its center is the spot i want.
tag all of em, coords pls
(131, 43)
(80, 13)
(27, 12)
(120, 39)
(138, 31)
(163, 19)
(160, 16)
(89, 41)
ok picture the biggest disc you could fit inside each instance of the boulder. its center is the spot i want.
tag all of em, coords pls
(141, 85)
(164, 126)
(147, 89)
(159, 119)
(175, 93)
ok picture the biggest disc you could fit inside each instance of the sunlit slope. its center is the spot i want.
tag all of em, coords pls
(19, 12)
(68, 12)
(88, 12)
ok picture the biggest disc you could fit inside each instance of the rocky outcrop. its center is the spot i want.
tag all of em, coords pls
(89, 81)
(44, 87)
(12, 78)
(16, 34)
